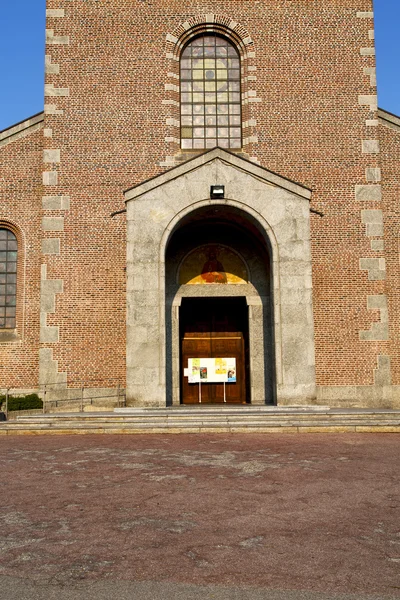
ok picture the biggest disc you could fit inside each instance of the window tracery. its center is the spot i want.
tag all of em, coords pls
(8, 278)
(210, 94)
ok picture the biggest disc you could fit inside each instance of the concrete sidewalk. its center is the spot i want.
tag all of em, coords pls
(242, 517)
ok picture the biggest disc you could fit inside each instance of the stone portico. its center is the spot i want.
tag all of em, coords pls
(273, 215)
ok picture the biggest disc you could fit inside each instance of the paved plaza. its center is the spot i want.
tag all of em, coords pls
(222, 517)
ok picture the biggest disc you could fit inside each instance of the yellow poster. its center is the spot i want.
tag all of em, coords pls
(220, 366)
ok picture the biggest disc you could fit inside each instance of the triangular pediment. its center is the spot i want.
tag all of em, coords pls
(229, 159)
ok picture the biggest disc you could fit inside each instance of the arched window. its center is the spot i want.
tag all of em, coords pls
(8, 278)
(210, 94)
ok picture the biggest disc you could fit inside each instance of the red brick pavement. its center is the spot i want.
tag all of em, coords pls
(312, 512)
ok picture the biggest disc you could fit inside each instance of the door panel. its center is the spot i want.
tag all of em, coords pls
(214, 328)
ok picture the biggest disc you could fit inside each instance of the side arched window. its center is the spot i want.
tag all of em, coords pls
(8, 279)
(210, 94)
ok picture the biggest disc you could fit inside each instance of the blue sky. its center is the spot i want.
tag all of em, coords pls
(22, 57)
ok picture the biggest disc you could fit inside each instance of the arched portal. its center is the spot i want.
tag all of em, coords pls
(261, 226)
(219, 310)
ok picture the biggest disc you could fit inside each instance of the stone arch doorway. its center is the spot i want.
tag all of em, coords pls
(219, 305)
(272, 213)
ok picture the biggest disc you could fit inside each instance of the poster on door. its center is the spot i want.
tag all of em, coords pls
(211, 370)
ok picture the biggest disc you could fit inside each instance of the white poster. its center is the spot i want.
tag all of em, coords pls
(211, 370)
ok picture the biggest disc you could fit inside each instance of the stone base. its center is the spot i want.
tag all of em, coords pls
(297, 395)
(93, 399)
(359, 396)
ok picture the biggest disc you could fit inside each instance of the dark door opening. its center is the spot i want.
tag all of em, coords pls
(215, 328)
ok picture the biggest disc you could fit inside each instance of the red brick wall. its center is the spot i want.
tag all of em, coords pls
(20, 209)
(112, 136)
(390, 157)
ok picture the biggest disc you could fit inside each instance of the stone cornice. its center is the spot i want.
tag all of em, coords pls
(21, 129)
(229, 158)
(388, 119)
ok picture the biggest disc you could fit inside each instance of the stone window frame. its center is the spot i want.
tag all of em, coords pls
(239, 37)
(15, 334)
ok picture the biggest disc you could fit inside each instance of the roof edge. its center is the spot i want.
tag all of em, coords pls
(208, 156)
(389, 119)
(8, 134)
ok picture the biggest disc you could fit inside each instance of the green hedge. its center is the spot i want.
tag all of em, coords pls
(28, 402)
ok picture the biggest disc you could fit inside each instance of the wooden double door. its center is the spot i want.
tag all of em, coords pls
(215, 328)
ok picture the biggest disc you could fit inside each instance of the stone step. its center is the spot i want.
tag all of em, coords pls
(209, 419)
(205, 416)
(149, 429)
(199, 423)
(202, 423)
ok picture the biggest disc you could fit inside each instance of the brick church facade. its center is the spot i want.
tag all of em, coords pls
(208, 180)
